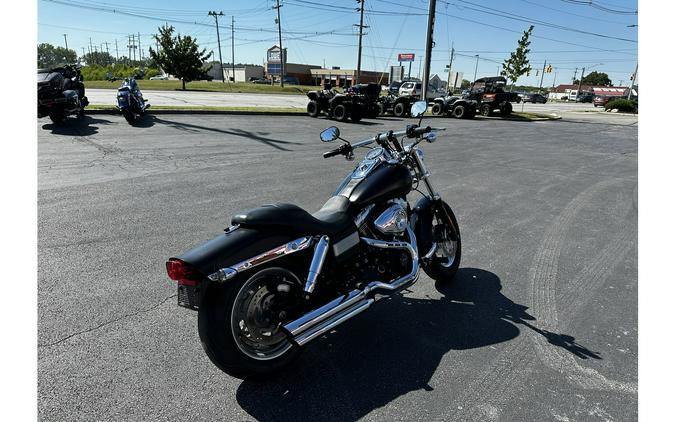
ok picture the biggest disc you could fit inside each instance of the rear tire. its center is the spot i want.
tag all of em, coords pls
(485, 109)
(57, 118)
(129, 115)
(235, 327)
(356, 114)
(340, 113)
(470, 112)
(313, 109)
(399, 110)
(445, 261)
(506, 109)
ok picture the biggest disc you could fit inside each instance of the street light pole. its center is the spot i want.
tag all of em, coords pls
(475, 72)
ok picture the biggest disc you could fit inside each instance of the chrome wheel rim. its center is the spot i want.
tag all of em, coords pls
(257, 313)
(446, 249)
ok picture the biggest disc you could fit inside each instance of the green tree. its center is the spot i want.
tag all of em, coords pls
(98, 57)
(50, 56)
(518, 64)
(596, 78)
(179, 56)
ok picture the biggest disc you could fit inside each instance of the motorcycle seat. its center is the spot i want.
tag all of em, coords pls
(333, 219)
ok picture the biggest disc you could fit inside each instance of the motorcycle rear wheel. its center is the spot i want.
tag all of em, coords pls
(129, 115)
(240, 320)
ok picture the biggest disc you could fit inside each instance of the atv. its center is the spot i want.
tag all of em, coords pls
(489, 95)
(359, 101)
(399, 106)
(455, 106)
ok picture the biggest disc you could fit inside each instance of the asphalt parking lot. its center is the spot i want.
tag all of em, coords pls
(540, 323)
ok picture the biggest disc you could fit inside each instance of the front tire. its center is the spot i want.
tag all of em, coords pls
(485, 109)
(340, 113)
(444, 264)
(313, 109)
(239, 322)
(399, 110)
(459, 111)
(437, 109)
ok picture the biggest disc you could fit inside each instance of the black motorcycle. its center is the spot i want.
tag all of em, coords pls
(130, 99)
(280, 277)
(61, 93)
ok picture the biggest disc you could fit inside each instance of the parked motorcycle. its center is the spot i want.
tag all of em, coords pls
(130, 99)
(61, 93)
(280, 277)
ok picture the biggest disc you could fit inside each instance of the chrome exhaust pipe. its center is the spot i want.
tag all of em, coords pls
(341, 309)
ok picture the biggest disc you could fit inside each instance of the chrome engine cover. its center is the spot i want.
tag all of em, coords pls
(393, 220)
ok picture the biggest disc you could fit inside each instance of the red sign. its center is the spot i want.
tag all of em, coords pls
(406, 57)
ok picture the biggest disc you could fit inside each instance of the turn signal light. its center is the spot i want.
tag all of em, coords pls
(182, 272)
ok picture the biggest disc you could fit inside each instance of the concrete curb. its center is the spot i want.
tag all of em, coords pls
(213, 112)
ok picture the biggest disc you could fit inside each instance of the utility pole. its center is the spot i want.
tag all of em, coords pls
(632, 82)
(107, 50)
(281, 48)
(583, 69)
(82, 53)
(555, 76)
(129, 45)
(91, 50)
(430, 45)
(541, 82)
(475, 72)
(574, 78)
(140, 50)
(452, 56)
(361, 26)
(117, 52)
(220, 53)
(133, 45)
(233, 77)
(65, 37)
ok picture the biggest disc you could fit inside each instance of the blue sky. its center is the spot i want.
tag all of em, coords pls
(568, 34)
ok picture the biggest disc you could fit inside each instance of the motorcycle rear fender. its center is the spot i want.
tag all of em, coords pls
(232, 247)
(123, 99)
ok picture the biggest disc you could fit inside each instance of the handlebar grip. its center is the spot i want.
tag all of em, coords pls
(421, 130)
(332, 153)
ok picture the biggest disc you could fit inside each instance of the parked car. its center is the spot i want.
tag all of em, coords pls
(159, 78)
(533, 98)
(262, 81)
(291, 80)
(414, 89)
(585, 97)
(601, 100)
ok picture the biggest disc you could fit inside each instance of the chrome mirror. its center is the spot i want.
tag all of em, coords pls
(418, 109)
(330, 134)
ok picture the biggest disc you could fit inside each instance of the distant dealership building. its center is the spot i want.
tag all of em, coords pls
(569, 92)
(346, 77)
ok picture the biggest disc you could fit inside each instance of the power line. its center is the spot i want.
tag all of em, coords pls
(507, 15)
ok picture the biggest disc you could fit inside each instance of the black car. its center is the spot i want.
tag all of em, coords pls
(585, 97)
(533, 98)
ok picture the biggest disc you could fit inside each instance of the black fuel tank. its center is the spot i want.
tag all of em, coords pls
(386, 181)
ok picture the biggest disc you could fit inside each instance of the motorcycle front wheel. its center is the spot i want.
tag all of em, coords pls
(444, 263)
(240, 322)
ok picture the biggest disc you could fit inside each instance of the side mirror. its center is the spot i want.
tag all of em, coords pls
(418, 109)
(330, 134)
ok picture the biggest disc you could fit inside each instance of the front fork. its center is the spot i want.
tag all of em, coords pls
(438, 206)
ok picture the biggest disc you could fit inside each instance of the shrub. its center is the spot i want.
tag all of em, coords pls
(97, 72)
(624, 105)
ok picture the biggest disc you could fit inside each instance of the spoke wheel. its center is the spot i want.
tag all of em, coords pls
(260, 309)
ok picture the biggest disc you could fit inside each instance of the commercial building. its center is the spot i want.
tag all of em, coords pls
(569, 92)
(346, 77)
(241, 73)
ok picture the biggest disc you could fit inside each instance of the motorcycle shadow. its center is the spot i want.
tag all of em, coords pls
(391, 350)
(83, 126)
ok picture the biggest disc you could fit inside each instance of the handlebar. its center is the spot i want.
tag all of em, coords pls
(412, 131)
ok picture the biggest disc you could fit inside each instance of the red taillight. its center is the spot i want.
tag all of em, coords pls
(182, 272)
